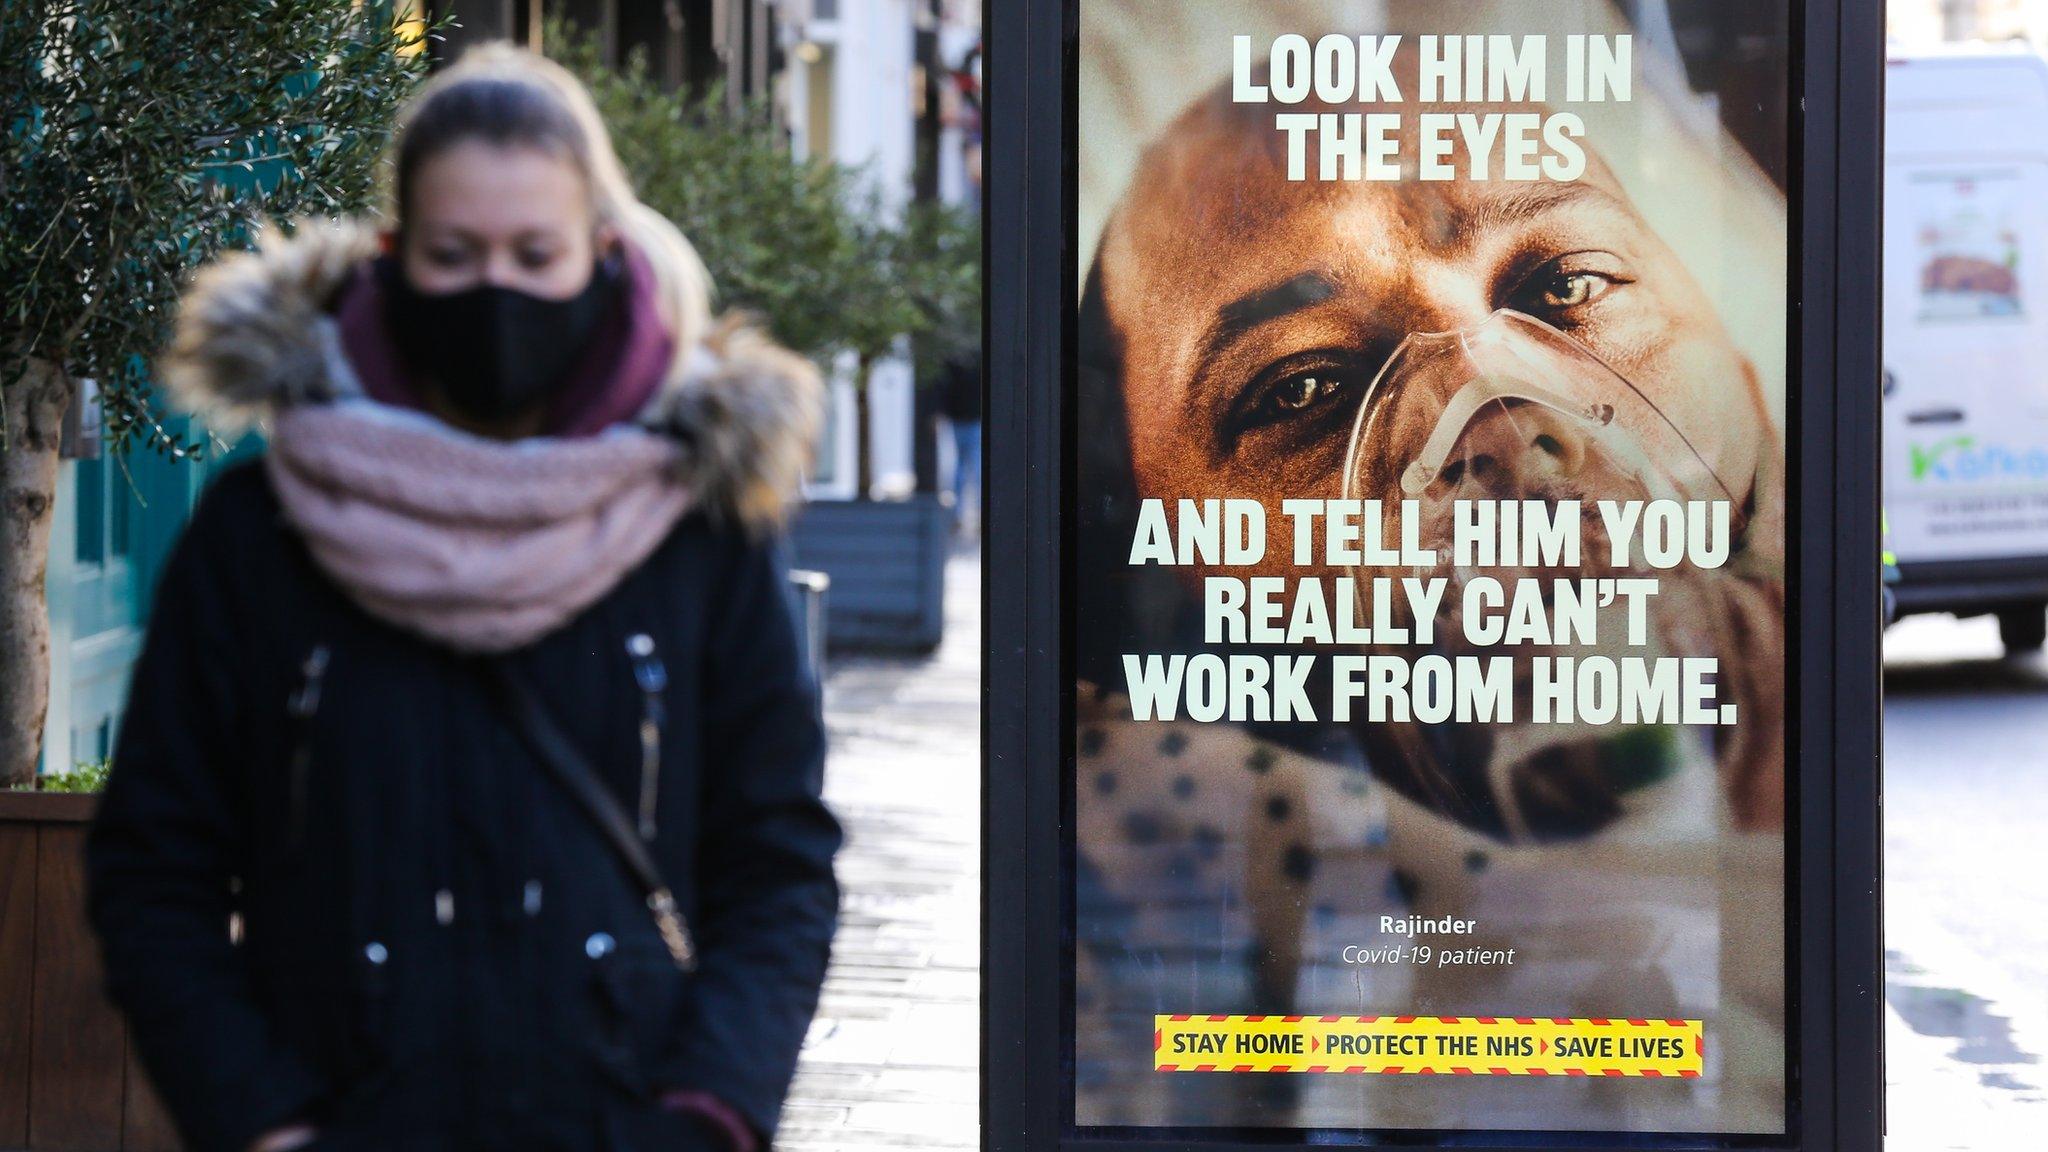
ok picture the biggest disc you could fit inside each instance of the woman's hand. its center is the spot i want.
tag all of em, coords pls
(284, 1139)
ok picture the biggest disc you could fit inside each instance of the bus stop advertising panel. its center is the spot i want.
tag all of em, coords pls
(1456, 419)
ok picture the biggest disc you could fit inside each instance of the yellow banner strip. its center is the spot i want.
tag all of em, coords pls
(1431, 1045)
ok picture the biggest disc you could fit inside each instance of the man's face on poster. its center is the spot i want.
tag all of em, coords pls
(1251, 312)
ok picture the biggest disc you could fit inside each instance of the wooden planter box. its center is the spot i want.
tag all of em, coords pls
(68, 1082)
(887, 563)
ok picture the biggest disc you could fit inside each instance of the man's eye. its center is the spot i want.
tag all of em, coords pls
(1297, 395)
(1301, 394)
(1571, 289)
(1301, 391)
(1555, 290)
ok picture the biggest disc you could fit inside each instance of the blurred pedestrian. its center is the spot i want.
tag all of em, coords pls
(477, 703)
(961, 404)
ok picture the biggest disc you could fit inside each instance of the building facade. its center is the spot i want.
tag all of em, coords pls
(852, 80)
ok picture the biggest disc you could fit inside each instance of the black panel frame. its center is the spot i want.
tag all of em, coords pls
(1837, 138)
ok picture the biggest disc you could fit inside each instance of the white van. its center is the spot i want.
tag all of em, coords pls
(1966, 336)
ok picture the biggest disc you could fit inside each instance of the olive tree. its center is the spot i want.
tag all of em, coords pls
(136, 140)
(804, 244)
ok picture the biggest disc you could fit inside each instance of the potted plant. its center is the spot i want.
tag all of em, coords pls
(886, 556)
(67, 1079)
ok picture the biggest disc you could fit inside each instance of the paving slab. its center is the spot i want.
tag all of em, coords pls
(892, 1061)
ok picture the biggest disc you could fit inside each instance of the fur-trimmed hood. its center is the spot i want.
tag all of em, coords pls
(255, 334)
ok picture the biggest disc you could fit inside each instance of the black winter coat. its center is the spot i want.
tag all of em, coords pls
(544, 1011)
(433, 949)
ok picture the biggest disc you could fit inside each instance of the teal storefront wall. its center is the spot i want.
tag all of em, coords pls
(117, 519)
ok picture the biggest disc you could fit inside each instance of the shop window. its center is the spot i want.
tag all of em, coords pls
(121, 500)
(106, 505)
(91, 492)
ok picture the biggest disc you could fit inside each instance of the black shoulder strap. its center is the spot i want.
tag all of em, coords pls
(568, 767)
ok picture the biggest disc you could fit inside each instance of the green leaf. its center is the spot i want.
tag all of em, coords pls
(138, 144)
(804, 245)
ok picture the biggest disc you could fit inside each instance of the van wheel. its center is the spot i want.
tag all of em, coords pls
(2023, 629)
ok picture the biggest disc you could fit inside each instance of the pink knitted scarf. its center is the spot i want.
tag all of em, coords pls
(479, 545)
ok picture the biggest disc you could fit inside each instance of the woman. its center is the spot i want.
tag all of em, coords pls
(488, 654)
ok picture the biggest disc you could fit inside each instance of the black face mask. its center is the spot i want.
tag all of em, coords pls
(495, 352)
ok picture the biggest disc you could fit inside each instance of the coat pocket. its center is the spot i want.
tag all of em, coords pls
(357, 1118)
(639, 993)
(650, 1128)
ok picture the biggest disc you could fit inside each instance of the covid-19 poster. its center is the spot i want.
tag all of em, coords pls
(1428, 398)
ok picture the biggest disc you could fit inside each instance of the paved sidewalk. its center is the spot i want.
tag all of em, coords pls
(892, 1061)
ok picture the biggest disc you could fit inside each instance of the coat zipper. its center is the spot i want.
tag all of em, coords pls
(303, 705)
(652, 678)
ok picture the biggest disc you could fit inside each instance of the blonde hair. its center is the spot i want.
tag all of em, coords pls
(507, 95)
